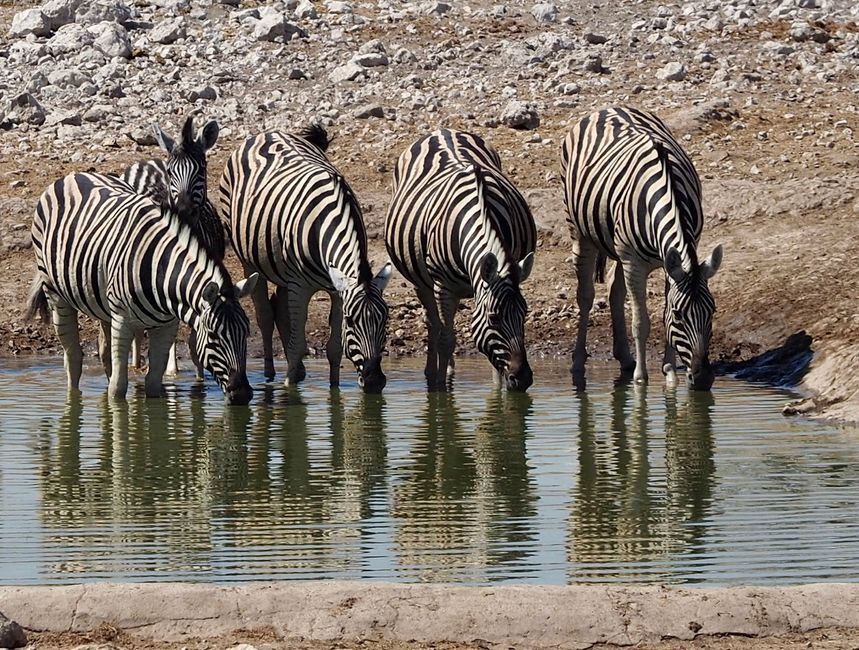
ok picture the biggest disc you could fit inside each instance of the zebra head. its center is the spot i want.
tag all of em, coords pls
(689, 309)
(222, 337)
(186, 163)
(365, 323)
(498, 323)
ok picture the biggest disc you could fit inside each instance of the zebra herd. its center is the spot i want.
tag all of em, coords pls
(145, 250)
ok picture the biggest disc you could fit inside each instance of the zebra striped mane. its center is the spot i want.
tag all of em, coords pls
(181, 226)
(316, 135)
(494, 223)
(679, 206)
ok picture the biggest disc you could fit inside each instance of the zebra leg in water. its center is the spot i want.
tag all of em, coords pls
(121, 335)
(620, 341)
(137, 350)
(447, 303)
(104, 348)
(669, 360)
(298, 298)
(433, 329)
(172, 361)
(635, 274)
(584, 260)
(334, 346)
(65, 319)
(265, 322)
(192, 352)
(162, 341)
(279, 301)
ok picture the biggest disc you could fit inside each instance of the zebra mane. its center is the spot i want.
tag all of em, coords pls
(316, 135)
(180, 223)
(365, 273)
(688, 238)
(492, 220)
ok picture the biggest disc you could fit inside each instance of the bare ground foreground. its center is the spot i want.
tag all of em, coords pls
(767, 111)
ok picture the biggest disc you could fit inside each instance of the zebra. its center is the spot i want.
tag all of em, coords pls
(294, 219)
(632, 195)
(118, 257)
(457, 228)
(179, 182)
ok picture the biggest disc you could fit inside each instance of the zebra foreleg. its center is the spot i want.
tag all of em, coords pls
(120, 341)
(334, 346)
(584, 260)
(620, 340)
(280, 306)
(137, 350)
(265, 321)
(195, 357)
(447, 336)
(161, 341)
(298, 300)
(104, 348)
(65, 318)
(433, 330)
(669, 361)
(635, 274)
(172, 360)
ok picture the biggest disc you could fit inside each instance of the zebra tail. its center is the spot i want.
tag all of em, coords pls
(37, 301)
(316, 135)
(599, 270)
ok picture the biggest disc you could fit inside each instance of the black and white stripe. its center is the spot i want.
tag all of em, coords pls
(294, 219)
(633, 196)
(179, 183)
(458, 228)
(116, 256)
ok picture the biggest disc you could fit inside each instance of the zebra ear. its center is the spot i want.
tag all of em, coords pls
(383, 276)
(164, 141)
(526, 266)
(674, 265)
(188, 130)
(712, 263)
(339, 279)
(489, 268)
(209, 136)
(210, 292)
(246, 287)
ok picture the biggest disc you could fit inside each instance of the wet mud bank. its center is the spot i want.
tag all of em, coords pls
(520, 616)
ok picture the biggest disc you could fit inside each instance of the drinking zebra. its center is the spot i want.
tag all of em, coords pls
(115, 255)
(179, 182)
(294, 219)
(633, 195)
(458, 228)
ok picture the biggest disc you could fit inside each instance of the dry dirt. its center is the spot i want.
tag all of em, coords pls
(108, 638)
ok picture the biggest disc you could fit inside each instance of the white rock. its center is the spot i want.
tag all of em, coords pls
(25, 109)
(69, 118)
(111, 39)
(30, 21)
(338, 7)
(374, 45)
(97, 113)
(60, 12)
(348, 72)
(520, 115)
(92, 12)
(674, 71)
(68, 77)
(69, 39)
(437, 8)
(168, 31)
(545, 12)
(305, 10)
(371, 59)
(273, 26)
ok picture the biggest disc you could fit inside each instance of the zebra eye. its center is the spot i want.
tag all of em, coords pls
(350, 322)
(494, 319)
(678, 315)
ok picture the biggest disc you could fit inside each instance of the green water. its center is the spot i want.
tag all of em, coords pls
(619, 484)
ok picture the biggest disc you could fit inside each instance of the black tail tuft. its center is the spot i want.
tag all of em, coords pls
(599, 269)
(315, 134)
(37, 301)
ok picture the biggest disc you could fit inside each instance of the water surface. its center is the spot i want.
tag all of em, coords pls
(618, 484)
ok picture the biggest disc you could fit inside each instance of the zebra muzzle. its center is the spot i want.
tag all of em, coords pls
(371, 378)
(238, 390)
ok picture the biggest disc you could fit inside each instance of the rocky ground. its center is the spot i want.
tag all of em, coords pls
(762, 94)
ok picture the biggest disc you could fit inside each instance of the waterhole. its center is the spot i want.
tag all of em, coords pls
(616, 484)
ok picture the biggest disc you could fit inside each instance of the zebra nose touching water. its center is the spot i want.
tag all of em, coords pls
(633, 195)
(120, 258)
(457, 228)
(294, 219)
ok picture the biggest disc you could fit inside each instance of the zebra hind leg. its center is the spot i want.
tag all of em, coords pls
(265, 321)
(620, 340)
(137, 351)
(120, 342)
(297, 346)
(433, 330)
(104, 348)
(161, 340)
(280, 307)
(584, 261)
(65, 319)
(447, 337)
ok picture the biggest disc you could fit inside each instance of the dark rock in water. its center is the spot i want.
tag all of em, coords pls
(12, 635)
(785, 365)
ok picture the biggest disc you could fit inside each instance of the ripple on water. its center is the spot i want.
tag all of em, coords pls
(616, 484)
